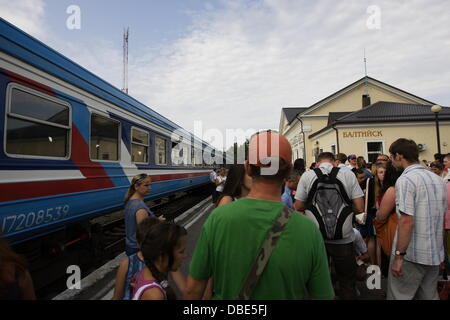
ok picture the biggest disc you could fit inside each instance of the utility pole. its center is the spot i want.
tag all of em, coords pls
(125, 60)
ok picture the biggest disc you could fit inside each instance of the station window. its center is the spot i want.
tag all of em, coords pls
(37, 125)
(139, 146)
(333, 149)
(161, 151)
(374, 149)
(104, 138)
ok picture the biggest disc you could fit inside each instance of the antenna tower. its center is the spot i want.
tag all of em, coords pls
(366, 91)
(125, 60)
(365, 62)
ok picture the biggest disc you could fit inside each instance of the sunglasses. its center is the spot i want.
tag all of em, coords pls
(141, 176)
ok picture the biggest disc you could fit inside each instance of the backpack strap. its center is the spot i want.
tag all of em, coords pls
(319, 173)
(333, 177)
(334, 172)
(344, 193)
(264, 253)
(312, 192)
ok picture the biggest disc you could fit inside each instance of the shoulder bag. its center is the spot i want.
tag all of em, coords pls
(264, 253)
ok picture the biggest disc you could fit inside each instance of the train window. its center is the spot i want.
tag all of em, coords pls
(139, 146)
(199, 160)
(104, 138)
(36, 107)
(37, 125)
(161, 151)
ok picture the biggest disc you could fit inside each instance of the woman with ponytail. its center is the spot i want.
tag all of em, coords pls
(136, 210)
(163, 249)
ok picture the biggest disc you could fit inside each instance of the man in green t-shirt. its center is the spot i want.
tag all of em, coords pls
(232, 235)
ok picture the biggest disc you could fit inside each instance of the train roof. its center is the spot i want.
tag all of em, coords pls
(23, 46)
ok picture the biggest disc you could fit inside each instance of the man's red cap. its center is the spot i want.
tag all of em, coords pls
(266, 145)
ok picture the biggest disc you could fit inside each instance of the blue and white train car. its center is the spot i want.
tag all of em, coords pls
(72, 142)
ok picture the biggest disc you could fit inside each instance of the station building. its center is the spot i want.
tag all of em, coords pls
(364, 118)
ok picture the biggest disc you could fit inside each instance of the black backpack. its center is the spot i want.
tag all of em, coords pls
(329, 206)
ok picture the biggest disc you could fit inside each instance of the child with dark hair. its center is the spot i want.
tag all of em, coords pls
(438, 168)
(163, 249)
(131, 265)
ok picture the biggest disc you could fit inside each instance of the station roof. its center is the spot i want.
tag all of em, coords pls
(384, 111)
(291, 113)
(363, 80)
(333, 116)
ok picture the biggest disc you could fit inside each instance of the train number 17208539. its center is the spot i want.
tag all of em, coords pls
(13, 223)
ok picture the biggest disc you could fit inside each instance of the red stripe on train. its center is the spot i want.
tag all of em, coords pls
(27, 190)
(17, 78)
(80, 158)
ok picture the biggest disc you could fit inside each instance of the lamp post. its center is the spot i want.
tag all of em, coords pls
(436, 109)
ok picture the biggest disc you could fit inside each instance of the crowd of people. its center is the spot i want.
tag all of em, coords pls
(359, 221)
(391, 213)
(296, 234)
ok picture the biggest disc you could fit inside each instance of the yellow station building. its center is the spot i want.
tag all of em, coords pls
(364, 118)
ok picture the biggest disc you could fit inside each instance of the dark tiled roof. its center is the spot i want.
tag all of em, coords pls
(320, 131)
(333, 116)
(291, 113)
(383, 111)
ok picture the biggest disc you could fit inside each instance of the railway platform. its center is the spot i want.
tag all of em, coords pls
(99, 285)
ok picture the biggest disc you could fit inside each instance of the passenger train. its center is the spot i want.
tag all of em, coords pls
(72, 142)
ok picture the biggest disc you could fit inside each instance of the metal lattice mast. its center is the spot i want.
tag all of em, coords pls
(366, 90)
(125, 60)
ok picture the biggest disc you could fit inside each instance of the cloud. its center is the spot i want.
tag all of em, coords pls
(99, 56)
(240, 62)
(27, 15)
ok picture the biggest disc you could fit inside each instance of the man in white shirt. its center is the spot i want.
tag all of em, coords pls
(341, 158)
(418, 247)
(341, 250)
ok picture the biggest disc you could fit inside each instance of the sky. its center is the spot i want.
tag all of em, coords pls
(235, 64)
